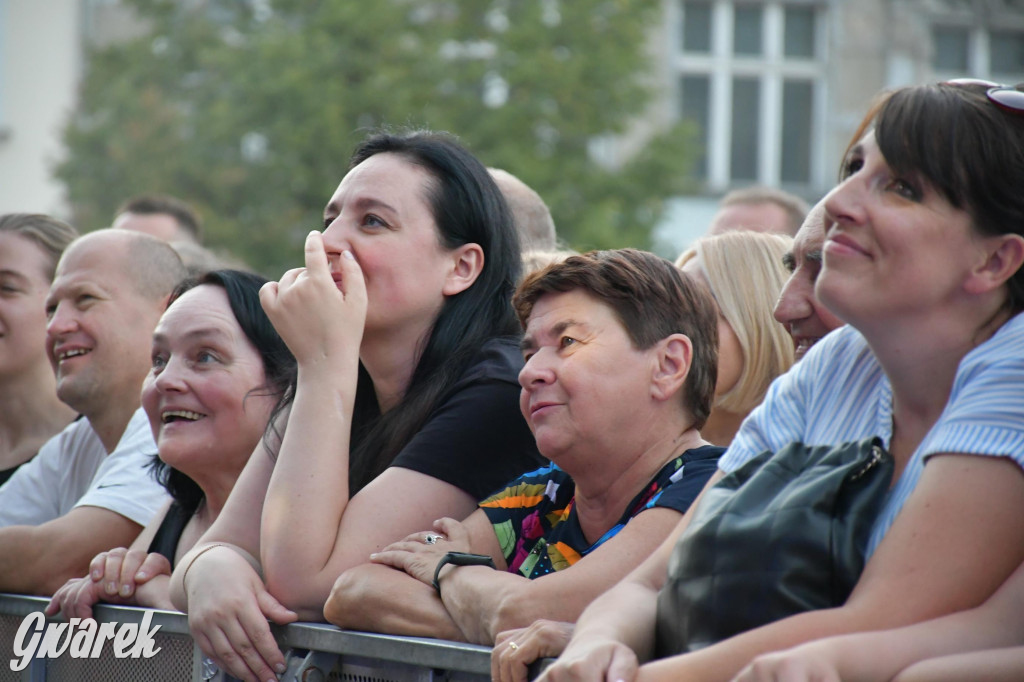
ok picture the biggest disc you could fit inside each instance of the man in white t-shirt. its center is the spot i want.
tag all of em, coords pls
(89, 489)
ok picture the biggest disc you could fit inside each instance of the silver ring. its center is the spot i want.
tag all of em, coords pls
(432, 538)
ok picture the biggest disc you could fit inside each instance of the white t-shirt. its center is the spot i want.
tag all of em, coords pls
(838, 393)
(73, 469)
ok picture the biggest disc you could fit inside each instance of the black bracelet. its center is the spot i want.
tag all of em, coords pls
(459, 559)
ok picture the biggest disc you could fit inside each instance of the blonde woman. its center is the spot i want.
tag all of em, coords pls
(745, 275)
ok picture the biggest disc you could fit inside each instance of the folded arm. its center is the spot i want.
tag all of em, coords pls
(996, 624)
(485, 602)
(958, 537)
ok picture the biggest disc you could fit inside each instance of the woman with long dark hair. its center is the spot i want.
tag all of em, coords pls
(406, 405)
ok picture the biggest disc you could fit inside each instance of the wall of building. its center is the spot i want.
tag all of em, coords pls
(40, 61)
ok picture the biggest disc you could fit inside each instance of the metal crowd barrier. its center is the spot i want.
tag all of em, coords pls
(314, 652)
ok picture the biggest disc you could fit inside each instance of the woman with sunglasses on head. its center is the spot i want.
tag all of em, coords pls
(406, 404)
(922, 259)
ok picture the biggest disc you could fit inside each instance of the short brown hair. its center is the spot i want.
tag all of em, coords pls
(652, 300)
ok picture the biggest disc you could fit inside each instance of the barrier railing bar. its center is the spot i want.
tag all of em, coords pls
(423, 652)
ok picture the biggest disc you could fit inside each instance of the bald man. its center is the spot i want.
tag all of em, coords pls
(89, 489)
(531, 215)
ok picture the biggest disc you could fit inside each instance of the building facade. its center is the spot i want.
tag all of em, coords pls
(775, 87)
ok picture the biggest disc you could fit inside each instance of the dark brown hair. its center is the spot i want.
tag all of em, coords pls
(969, 150)
(651, 298)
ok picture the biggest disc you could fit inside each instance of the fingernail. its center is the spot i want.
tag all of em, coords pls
(111, 588)
(279, 668)
(125, 590)
(373, 556)
(96, 575)
(348, 254)
(314, 232)
(141, 575)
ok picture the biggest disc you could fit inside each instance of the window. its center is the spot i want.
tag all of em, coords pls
(799, 34)
(743, 148)
(978, 52)
(696, 103)
(747, 30)
(751, 77)
(697, 27)
(1006, 53)
(797, 119)
(950, 45)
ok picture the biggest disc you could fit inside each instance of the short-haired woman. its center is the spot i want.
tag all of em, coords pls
(619, 377)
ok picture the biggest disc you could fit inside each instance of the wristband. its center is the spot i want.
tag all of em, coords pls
(459, 559)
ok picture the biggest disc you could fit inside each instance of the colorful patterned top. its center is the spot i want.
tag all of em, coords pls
(535, 516)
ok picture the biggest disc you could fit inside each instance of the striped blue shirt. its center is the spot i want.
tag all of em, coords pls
(839, 393)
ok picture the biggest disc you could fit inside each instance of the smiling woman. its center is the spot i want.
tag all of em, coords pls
(923, 258)
(30, 413)
(218, 369)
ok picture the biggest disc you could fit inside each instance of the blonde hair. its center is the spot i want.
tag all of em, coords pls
(745, 272)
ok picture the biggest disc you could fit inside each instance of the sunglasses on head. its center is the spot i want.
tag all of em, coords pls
(1008, 98)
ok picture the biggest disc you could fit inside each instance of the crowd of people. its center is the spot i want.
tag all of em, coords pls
(445, 425)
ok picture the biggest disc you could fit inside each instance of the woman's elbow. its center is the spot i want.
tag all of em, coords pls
(302, 596)
(347, 598)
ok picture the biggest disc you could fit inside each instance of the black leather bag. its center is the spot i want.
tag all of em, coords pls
(783, 534)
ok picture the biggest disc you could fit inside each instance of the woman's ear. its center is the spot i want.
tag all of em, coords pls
(674, 354)
(467, 264)
(1003, 257)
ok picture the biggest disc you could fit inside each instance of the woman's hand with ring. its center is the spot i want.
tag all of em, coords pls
(515, 650)
(419, 553)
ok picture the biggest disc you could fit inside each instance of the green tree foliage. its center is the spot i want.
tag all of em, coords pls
(249, 109)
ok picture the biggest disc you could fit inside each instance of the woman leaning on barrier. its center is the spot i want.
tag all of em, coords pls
(619, 376)
(218, 370)
(405, 405)
(922, 259)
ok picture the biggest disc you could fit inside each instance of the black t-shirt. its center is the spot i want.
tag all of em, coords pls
(477, 439)
(169, 533)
